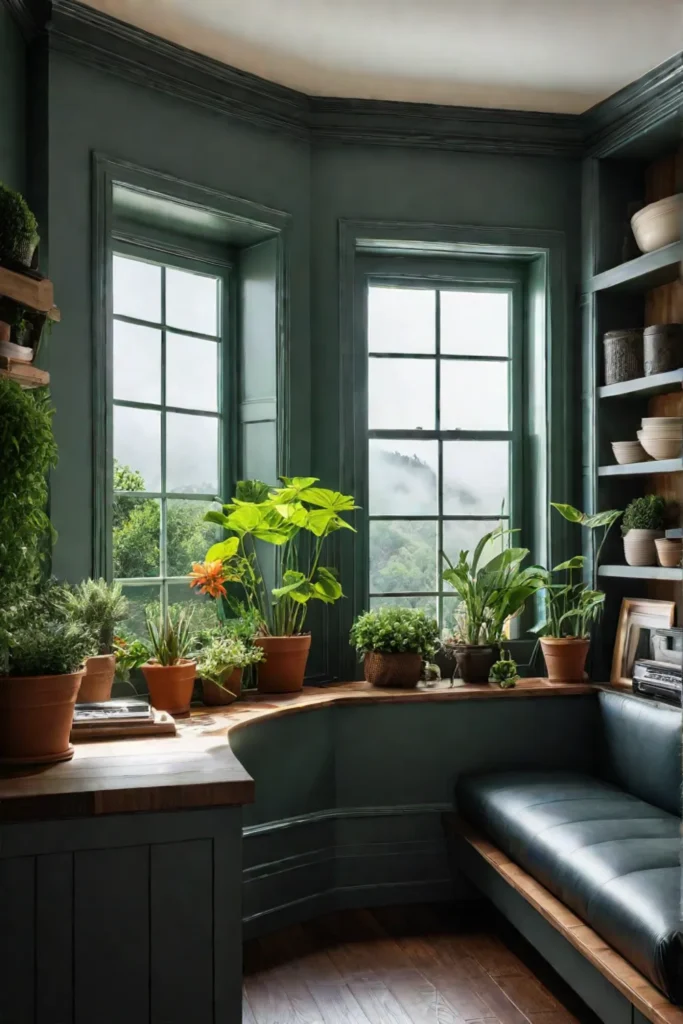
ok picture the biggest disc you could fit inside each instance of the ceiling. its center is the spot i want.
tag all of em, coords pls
(548, 55)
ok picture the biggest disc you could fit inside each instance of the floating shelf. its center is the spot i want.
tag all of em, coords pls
(644, 273)
(640, 572)
(34, 294)
(657, 384)
(25, 374)
(643, 468)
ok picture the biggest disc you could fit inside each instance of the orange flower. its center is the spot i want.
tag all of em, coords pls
(209, 577)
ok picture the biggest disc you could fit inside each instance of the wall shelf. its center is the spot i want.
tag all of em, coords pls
(657, 384)
(643, 468)
(25, 374)
(640, 572)
(643, 273)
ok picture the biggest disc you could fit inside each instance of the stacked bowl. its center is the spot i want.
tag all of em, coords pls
(627, 452)
(662, 436)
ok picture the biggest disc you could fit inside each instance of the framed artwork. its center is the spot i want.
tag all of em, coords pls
(636, 618)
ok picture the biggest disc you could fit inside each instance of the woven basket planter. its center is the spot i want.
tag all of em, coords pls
(623, 355)
(400, 671)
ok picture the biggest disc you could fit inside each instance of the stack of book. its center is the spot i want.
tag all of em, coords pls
(119, 718)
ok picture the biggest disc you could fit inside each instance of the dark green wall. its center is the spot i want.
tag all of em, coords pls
(13, 102)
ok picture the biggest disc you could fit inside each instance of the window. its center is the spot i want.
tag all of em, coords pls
(443, 386)
(168, 423)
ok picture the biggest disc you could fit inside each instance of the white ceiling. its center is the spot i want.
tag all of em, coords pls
(551, 55)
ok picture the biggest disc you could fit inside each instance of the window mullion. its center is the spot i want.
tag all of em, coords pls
(164, 504)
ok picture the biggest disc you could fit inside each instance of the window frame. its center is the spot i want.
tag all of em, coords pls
(181, 258)
(466, 273)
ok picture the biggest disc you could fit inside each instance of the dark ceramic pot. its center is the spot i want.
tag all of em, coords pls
(475, 661)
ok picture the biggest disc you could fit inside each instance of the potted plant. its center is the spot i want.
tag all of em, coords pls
(504, 672)
(100, 606)
(41, 664)
(18, 230)
(571, 606)
(130, 653)
(295, 520)
(169, 673)
(490, 595)
(221, 659)
(393, 643)
(642, 524)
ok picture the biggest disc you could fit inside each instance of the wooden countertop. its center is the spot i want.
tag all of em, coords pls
(197, 768)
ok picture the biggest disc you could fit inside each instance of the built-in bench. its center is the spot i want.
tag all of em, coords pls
(605, 848)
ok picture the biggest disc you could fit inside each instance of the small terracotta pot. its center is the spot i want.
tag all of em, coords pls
(398, 670)
(639, 547)
(215, 695)
(475, 661)
(5, 331)
(565, 658)
(170, 686)
(36, 714)
(98, 679)
(669, 551)
(285, 665)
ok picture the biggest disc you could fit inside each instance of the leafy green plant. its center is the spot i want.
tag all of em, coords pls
(18, 226)
(490, 594)
(39, 636)
(170, 636)
(504, 671)
(395, 631)
(296, 519)
(100, 606)
(28, 451)
(646, 513)
(223, 654)
(130, 653)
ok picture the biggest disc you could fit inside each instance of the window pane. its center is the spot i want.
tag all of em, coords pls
(191, 454)
(474, 323)
(402, 556)
(137, 443)
(403, 478)
(401, 319)
(475, 477)
(137, 524)
(191, 301)
(451, 603)
(425, 604)
(139, 599)
(474, 395)
(464, 535)
(191, 373)
(188, 537)
(401, 394)
(137, 289)
(137, 363)
(204, 611)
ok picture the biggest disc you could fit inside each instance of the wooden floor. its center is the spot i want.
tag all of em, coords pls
(412, 965)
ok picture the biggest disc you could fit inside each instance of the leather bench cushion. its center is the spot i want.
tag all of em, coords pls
(611, 857)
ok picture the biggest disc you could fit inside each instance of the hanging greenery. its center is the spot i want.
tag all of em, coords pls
(27, 452)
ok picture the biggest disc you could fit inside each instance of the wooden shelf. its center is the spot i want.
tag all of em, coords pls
(25, 374)
(640, 572)
(644, 273)
(37, 295)
(643, 468)
(657, 384)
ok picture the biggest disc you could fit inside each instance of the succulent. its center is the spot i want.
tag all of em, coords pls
(504, 672)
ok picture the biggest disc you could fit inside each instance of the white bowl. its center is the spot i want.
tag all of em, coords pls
(658, 421)
(662, 447)
(628, 452)
(658, 224)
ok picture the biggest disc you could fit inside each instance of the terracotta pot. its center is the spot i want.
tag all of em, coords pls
(669, 552)
(36, 714)
(98, 678)
(475, 661)
(285, 665)
(5, 331)
(565, 658)
(215, 695)
(170, 686)
(393, 670)
(639, 547)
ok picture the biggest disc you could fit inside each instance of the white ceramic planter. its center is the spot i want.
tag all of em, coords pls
(639, 547)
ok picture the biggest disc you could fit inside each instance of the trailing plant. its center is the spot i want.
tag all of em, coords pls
(492, 593)
(170, 635)
(28, 451)
(39, 636)
(571, 606)
(225, 652)
(18, 226)
(646, 513)
(100, 606)
(130, 653)
(296, 520)
(395, 631)
(504, 671)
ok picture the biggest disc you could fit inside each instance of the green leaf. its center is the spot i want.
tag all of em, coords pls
(506, 558)
(327, 586)
(569, 512)
(328, 499)
(602, 518)
(291, 581)
(222, 551)
(577, 562)
(218, 518)
(245, 519)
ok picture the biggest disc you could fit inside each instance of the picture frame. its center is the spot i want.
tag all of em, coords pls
(635, 617)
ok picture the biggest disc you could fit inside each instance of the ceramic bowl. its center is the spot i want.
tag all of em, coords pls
(628, 452)
(658, 224)
(661, 447)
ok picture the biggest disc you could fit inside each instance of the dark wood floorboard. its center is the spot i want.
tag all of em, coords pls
(403, 965)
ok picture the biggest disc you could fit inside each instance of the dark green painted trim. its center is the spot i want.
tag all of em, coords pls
(337, 813)
(30, 15)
